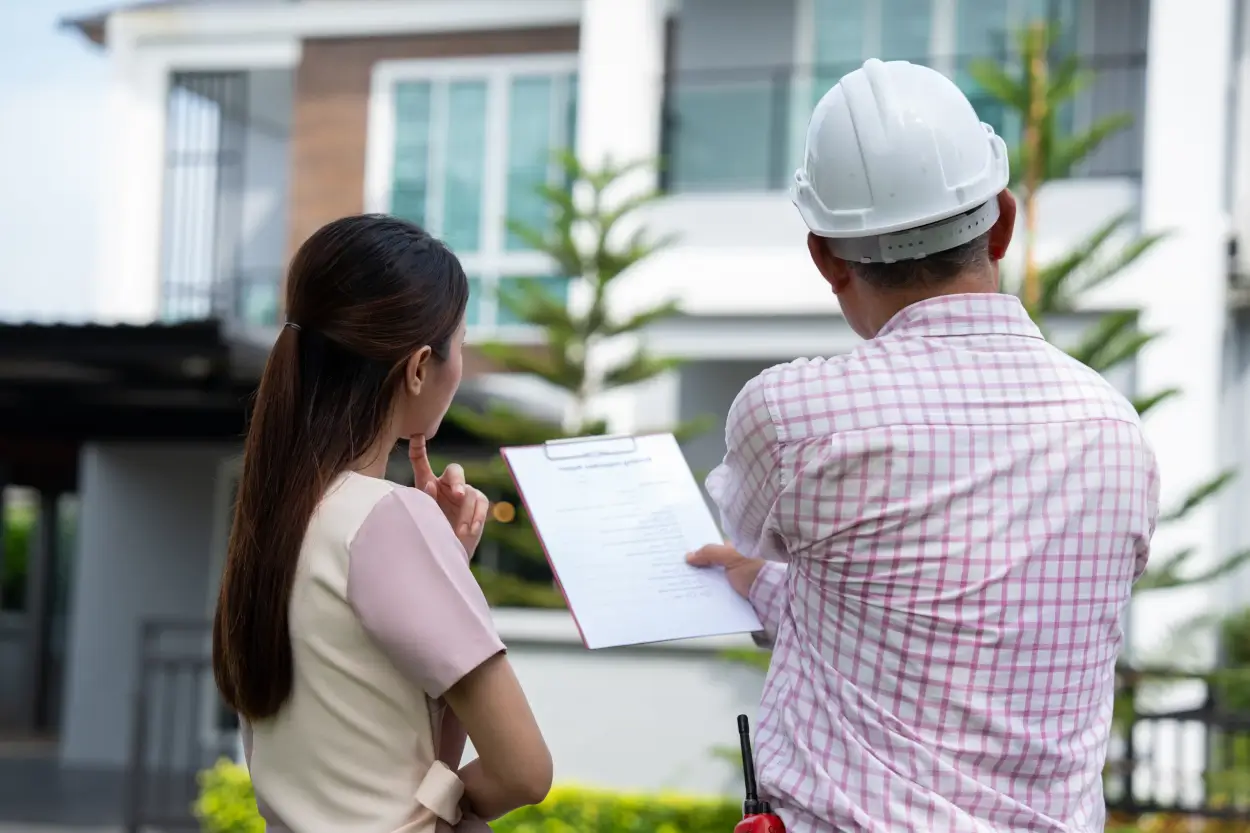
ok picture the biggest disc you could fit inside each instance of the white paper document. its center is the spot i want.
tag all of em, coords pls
(617, 516)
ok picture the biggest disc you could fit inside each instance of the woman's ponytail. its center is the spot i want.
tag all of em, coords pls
(364, 294)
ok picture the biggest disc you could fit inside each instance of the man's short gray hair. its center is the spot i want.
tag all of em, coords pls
(933, 270)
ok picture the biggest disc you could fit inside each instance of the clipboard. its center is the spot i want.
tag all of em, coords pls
(615, 516)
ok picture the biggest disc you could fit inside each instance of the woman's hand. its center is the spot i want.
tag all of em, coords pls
(464, 506)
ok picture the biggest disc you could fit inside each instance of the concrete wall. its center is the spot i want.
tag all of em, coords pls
(644, 719)
(145, 533)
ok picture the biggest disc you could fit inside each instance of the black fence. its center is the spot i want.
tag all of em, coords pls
(736, 130)
(1178, 751)
(216, 145)
(180, 726)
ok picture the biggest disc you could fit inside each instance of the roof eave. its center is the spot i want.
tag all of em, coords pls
(92, 27)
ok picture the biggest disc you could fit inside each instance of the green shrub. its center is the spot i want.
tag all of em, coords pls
(227, 805)
(576, 810)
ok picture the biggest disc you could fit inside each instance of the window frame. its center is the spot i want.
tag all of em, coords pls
(493, 262)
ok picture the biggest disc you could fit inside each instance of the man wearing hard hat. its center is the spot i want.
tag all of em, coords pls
(941, 528)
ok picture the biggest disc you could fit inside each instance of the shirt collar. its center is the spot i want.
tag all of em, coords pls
(982, 313)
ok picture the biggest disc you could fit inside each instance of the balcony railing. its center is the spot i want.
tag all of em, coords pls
(743, 130)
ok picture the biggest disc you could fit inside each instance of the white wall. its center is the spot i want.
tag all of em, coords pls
(144, 538)
(644, 719)
(1181, 285)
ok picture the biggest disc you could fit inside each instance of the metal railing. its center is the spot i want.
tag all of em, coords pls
(216, 145)
(743, 130)
(180, 726)
(1178, 752)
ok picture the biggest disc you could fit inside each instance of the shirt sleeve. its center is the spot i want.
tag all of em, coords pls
(746, 484)
(1152, 516)
(409, 583)
(745, 487)
(768, 598)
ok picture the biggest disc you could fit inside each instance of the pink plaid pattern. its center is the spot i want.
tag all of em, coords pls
(961, 510)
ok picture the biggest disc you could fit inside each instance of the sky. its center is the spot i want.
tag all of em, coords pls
(52, 120)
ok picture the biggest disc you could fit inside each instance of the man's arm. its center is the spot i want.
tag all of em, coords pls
(745, 488)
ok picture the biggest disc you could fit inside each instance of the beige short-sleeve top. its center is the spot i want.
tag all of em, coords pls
(385, 617)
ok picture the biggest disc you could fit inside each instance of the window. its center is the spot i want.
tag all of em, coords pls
(460, 146)
(743, 129)
(946, 34)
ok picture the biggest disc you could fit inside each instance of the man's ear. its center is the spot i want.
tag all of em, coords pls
(833, 269)
(416, 369)
(1004, 227)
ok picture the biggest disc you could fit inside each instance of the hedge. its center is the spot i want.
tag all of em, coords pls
(226, 805)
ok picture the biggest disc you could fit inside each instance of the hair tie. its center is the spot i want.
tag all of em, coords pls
(292, 325)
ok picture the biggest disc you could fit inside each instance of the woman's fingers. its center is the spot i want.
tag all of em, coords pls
(452, 482)
(464, 514)
(480, 507)
(422, 474)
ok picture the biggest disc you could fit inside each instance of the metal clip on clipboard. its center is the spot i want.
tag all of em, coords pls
(575, 448)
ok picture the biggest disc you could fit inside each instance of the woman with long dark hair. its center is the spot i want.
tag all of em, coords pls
(349, 634)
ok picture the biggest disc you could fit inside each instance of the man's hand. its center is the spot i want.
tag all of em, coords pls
(464, 506)
(740, 570)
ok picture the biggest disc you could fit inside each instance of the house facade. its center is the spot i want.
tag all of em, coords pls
(243, 126)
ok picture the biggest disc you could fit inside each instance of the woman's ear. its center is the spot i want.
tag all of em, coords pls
(416, 369)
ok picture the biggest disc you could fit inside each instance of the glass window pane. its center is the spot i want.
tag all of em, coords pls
(410, 177)
(466, 163)
(529, 152)
(570, 127)
(723, 134)
(981, 29)
(905, 28)
(473, 311)
(840, 33)
(555, 287)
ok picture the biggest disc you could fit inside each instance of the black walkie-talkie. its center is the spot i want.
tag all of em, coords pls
(757, 816)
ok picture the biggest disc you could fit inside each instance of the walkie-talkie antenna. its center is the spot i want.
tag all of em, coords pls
(751, 805)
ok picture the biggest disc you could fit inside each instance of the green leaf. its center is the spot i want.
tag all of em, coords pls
(1147, 403)
(994, 80)
(1068, 152)
(696, 427)
(500, 425)
(641, 320)
(1169, 574)
(637, 369)
(551, 365)
(1054, 277)
(1113, 325)
(1199, 494)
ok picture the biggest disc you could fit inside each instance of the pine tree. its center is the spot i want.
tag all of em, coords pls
(593, 236)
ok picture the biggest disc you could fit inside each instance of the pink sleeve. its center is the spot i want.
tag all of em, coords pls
(409, 582)
(768, 598)
(745, 486)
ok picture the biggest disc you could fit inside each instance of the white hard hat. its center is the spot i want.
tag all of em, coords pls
(892, 148)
